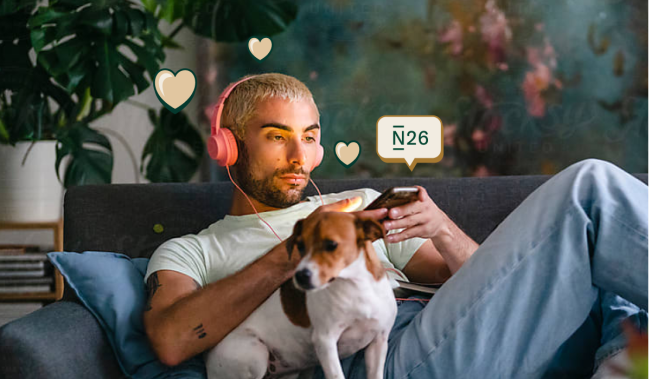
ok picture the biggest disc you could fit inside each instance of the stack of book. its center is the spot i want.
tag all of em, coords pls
(23, 269)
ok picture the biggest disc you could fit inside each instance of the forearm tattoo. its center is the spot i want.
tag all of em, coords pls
(200, 331)
(152, 286)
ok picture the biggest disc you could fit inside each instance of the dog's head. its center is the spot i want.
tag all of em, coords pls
(328, 242)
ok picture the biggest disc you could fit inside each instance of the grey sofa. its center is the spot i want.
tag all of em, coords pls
(63, 340)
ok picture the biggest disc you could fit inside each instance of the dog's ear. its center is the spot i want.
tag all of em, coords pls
(369, 229)
(291, 241)
(372, 261)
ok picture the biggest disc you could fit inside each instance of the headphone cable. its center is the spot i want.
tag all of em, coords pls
(255, 210)
(276, 234)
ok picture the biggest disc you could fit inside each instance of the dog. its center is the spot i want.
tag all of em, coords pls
(339, 302)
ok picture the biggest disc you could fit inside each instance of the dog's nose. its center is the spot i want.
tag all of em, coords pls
(303, 277)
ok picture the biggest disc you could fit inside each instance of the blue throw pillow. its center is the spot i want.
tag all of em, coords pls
(112, 287)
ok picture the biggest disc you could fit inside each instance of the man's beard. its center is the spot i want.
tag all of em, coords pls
(264, 190)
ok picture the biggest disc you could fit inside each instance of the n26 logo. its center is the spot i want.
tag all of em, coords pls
(398, 137)
(410, 139)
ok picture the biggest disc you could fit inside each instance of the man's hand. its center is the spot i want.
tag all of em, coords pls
(421, 218)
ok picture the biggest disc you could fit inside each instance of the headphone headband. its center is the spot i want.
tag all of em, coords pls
(222, 145)
(218, 109)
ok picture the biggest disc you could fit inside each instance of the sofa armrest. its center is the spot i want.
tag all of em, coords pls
(61, 340)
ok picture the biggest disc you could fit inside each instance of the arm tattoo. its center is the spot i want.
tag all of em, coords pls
(200, 331)
(152, 286)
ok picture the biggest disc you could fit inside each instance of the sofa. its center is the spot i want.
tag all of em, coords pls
(64, 340)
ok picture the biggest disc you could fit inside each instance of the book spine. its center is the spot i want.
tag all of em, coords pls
(25, 289)
(22, 281)
(21, 266)
(23, 257)
(22, 274)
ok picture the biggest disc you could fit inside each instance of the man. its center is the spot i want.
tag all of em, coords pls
(544, 280)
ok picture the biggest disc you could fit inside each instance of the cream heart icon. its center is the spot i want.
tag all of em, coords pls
(260, 49)
(347, 153)
(175, 91)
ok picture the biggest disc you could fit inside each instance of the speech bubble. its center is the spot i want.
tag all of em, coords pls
(410, 139)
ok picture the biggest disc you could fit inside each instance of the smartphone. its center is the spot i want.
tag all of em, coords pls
(394, 197)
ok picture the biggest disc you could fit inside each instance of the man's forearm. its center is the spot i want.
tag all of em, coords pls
(202, 319)
(454, 245)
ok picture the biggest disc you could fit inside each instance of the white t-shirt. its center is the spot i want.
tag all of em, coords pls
(234, 242)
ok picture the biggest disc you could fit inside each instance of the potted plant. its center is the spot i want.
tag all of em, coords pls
(63, 65)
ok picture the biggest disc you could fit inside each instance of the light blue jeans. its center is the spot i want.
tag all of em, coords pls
(543, 296)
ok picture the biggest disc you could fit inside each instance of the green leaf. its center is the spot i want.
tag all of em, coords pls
(167, 161)
(136, 72)
(136, 22)
(4, 134)
(169, 10)
(98, 19)
(90, 56)
(169, 43)
(121, 25)
(14, 27)
(13, 6)
(113, 86)
(144, 58)
(86, 166)
(46, 15)
(239, 20)
(85, 105)
(29, 116)
(150, 5)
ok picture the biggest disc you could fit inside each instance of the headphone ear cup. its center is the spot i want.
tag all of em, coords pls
(319, 157)
(222, 147)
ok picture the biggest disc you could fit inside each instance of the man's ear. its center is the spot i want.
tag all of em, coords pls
(291, 241)
(368, 229)
(241, 150)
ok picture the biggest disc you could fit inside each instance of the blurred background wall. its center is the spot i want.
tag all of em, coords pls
(522, 87)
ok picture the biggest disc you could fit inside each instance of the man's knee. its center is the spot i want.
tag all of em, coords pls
(594, 171)
(593, 164)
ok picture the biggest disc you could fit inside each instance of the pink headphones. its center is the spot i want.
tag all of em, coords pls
(222, 145)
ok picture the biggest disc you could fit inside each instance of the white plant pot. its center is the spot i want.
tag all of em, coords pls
(29, 192)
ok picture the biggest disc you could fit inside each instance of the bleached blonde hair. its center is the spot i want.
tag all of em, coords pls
(241, 104)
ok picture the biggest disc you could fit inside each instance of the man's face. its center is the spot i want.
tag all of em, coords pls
(280, 147)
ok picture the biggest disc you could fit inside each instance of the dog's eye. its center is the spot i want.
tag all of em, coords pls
(330, 245)
(301, 247)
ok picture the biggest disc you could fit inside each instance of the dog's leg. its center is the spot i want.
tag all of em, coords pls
(237, 356)
(375, 356)
(327, 353)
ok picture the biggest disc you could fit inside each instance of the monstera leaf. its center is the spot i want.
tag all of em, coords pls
(80, 46)
(86, 166)
(169, 10)
(168, 162)
(13, 6)
(238, 20)
(25, 86)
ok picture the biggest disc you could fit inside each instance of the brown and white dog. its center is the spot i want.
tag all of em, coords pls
(338, 302)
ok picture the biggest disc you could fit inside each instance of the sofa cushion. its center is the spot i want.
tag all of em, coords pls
(111, 286)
